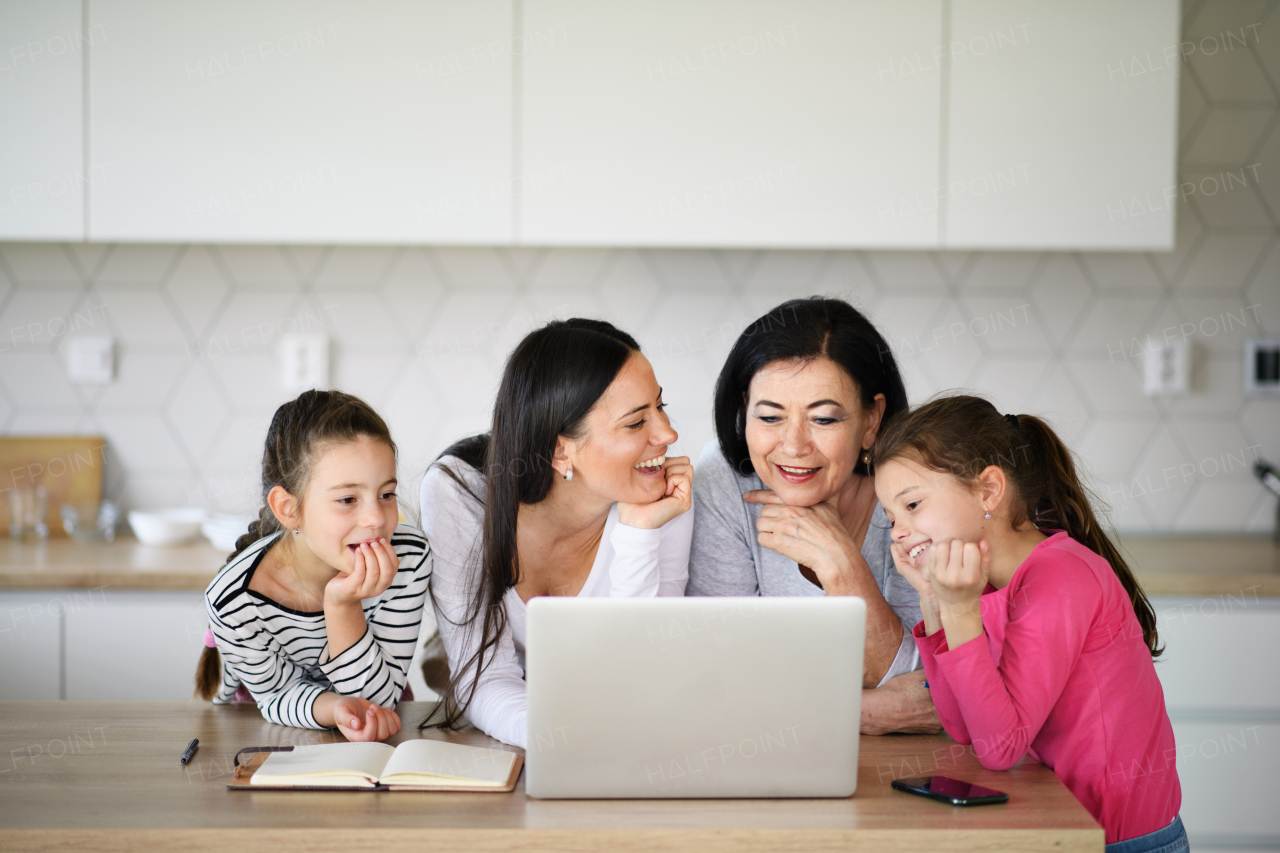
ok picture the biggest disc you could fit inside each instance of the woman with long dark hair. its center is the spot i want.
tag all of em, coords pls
(786, 497)
(569, 493)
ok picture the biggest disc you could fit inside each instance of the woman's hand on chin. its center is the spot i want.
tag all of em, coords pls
(813, 536)
(676, 498)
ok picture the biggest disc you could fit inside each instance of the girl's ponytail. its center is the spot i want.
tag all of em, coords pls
(1064, 503)
(209, 668)
(208, 673)
(963, 435)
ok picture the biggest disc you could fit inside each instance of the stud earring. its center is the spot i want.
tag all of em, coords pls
(986, 515)
(297, 532)
(568, 473)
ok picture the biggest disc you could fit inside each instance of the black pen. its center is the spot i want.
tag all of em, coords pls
(191, 750)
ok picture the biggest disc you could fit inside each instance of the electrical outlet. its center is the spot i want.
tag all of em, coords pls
(304, 362)
(1167, 369)
(1261, 366)
(91, 361)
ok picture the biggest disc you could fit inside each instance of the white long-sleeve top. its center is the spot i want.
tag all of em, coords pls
(630, 563)
(282, 655)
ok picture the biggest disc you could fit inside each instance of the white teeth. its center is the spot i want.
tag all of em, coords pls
(918, 550)
(653, 463)
(796, 470)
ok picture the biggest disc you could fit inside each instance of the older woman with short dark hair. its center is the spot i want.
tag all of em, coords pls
(786, 501)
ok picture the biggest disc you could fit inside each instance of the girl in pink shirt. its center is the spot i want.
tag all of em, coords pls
(1036, 638)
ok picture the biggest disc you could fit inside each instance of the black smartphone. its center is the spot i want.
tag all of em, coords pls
(947, 790)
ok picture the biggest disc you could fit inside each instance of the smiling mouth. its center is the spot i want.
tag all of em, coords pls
(651, 466)
(796, 474)
(919, 549)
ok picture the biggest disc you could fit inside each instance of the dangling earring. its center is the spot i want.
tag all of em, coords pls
(568, 473)
(986, 515)
(866, 457)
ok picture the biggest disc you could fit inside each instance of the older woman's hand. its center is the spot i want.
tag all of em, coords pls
(903, 704)
(813, 536)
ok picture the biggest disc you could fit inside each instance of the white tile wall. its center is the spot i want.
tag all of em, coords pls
(422, 332)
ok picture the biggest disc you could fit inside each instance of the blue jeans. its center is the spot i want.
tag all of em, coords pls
(1171, 839)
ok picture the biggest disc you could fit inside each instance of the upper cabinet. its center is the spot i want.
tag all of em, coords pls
(43, 180)
(1062, 122)
(806, 123)
(983, 124)
(383, 121)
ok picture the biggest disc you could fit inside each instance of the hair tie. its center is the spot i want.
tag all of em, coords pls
(1013, 419)
(208, 639)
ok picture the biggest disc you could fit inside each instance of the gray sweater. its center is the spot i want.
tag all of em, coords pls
(727, 558)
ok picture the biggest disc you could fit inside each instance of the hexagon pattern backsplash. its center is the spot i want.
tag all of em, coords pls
(422, 333)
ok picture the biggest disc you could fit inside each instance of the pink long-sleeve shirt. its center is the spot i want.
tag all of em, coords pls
(1065, 675)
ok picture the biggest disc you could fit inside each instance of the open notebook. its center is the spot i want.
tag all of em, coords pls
(414, 765)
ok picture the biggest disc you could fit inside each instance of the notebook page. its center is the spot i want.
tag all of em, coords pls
(326, 759)
(451, 760)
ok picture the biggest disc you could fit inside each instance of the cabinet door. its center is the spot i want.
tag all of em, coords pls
(31, 641)
(1211, 659)
(135, 645)
(807, 123)
(42, 178)
(386, 121)
(1062, 124)
(1227, 771)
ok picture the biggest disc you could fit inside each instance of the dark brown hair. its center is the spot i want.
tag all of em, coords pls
(804, 330)
(962, 435)
(551, 381)
(300, 430)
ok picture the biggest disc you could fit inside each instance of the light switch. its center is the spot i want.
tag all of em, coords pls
(304, 362)
(1167, 369)
(1262, 366)
(91, 361)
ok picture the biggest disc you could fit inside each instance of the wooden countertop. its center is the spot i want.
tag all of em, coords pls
(1227, 565)
(105, 776)
(123, 564)
(1164, 565)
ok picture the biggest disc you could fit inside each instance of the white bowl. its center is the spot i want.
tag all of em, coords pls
(224, 530)
(166, 526)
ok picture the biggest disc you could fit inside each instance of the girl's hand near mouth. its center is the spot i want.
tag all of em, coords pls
(919, 580)
(676, 498)
(958, 573)
(374, 567)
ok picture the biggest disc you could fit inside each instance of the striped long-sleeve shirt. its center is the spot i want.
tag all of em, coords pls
(282, 655)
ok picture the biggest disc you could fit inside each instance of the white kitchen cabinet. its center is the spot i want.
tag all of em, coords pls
(352, 122)
(1223, 697)
(42, 163)
(1227, 771)
(1211, 645)
(135, 645)
(805, 124)
(1062, 124)
(31, 641)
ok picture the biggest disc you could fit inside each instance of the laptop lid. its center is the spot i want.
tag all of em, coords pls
(693, 697)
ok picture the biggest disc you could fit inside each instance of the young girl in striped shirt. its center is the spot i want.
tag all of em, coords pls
(1036, 638)
(316, 613)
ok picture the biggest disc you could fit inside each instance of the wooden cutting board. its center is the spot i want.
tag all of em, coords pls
(69, 467)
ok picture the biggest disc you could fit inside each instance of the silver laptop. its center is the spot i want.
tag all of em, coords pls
(693, 697)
